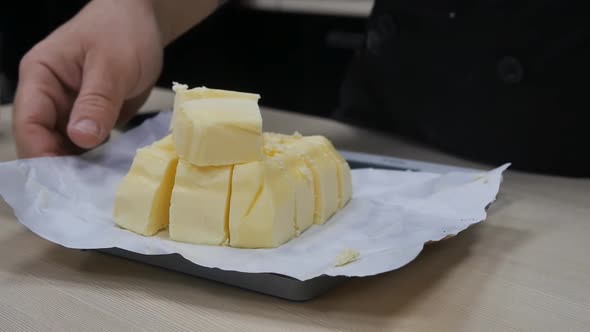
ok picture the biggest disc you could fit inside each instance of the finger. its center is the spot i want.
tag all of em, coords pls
(99, 102)
(132, 106)
(38, 102)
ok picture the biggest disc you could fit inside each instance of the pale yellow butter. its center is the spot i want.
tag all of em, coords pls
(218, 180)
(342, 169)
(262, 208)
(218, 132)
(217, 127)
(325, 177)
(346, 256)
(199, 204)
(143, 197)
(182, 94)
(298, 173)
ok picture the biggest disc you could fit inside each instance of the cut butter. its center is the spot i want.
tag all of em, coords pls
(262, 205)
(219, 180)
(217, 127)
(342, 170)
(182, 94)
(323, 168)
(316, 170)
(299, 175)
(143, 196)
(199, 203)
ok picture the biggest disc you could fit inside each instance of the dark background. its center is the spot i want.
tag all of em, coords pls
(296, 62)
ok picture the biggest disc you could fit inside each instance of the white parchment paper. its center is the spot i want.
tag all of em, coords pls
(69, 200)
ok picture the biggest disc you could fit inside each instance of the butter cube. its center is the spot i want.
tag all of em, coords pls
(216, 127)
(325, 177)
(262, 205)
(199, 204)
(298, 174)
(182, 94)
(142, 199)
(342, 169)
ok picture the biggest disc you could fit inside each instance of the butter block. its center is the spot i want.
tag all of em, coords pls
(218, 132)
(342, 169)
(217, 128)
(325, 177)
(323, 168)
(300, 176)
(142, 199)
(199, 204)
(182, 94)
(262, 205)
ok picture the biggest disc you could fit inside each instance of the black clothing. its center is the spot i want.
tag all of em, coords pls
(493, 81)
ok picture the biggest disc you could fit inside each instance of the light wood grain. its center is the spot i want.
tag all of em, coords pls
(526, 268)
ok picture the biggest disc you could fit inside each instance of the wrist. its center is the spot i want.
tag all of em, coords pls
(142, 10)
(174, 18)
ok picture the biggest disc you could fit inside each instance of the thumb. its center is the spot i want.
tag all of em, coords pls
(98, 104)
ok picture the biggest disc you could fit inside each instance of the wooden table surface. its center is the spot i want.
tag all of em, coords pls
(526, 268)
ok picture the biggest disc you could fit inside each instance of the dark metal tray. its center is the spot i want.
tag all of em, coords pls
(274, 284)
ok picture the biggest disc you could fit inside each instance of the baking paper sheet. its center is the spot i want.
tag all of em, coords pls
(68, 200)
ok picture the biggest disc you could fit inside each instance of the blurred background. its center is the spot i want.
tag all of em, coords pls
(271, 47)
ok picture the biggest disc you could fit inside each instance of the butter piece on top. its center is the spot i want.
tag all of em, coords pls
(216, 127)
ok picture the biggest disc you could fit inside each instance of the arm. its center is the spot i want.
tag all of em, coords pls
(175, 17)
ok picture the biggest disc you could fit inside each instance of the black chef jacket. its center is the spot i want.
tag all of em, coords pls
(492, 81)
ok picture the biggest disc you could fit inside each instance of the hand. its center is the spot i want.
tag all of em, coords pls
(91, 73)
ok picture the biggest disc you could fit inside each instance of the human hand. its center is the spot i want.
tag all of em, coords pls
(88, 75)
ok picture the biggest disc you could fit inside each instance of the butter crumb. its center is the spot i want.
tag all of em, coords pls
(179, 87)
(346, 256)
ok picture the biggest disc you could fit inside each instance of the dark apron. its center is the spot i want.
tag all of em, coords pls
(492, 81)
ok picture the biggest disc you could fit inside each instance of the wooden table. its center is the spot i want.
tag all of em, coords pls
(527, 267)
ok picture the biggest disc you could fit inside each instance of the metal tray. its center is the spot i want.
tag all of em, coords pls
(274, 284)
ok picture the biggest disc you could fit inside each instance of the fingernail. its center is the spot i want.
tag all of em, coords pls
(87, 126)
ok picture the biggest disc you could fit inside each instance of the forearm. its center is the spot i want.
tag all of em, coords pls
(176, 17)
